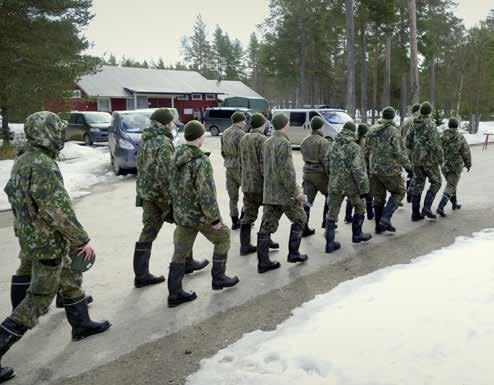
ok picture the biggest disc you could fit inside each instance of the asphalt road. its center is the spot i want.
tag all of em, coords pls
(150, 343)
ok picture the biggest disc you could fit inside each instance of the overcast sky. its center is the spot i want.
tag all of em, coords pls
(147, 29)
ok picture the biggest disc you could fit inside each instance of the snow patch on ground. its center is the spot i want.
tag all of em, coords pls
(479, 137)
(430, 322)
(81, 167)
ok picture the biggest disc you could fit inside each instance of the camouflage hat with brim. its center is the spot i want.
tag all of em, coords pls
(79, 264)
(415, 108)
(280, 120)
(316, 123)
(257, 120)
(163, 116)
(238, 117)
(425, 108)
(388, 113)
(350, 126)
(45, 129)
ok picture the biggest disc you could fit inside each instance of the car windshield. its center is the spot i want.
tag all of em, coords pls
(135, 121)
(335, 117)
(98, 118)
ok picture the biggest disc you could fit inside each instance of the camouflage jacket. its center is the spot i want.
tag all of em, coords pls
(192, 188)
(251, 162)
(280, 180)
(346, 167)
(44, 220)
(405, 127)
(230, 141)
(424, 142)
(456, 152)
(385, 153)
(153, 163)
(314, 148)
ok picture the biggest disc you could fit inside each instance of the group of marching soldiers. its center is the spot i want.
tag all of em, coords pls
(176, 185)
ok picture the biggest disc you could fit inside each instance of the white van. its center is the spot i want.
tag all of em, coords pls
(334, 120)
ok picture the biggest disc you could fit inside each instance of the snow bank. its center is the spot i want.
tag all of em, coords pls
(479, 137)
(430, 322)
(81, 167)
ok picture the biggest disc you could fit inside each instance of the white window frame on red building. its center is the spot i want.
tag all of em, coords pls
(183, 97)
(104, 109)
(210, 97)
(196, 96)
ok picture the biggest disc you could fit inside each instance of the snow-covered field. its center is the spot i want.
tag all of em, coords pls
(478, 138)
(81, 167)
(430, 322)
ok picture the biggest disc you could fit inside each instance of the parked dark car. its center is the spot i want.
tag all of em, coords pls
(125, 136)
(88, 126)
(217, 120)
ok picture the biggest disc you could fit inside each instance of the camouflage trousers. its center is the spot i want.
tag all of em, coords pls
(233, 183)
(250, 210)
(47, 277)
(380, 185)
(452, 180)
(272, 214)
(335, 200)
(154, 214)
(314, 182)
(184, 238)
(421, 173)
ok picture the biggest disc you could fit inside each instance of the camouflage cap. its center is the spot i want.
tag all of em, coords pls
(279, 121)
(193, 130)
(316, 123)
(45, 129)
(362, 129)
(163, 116)
(257, 120)
(415, 108)
(350, 126)
(238, 116)
(388, 113)
(425, 108)
(453, 123)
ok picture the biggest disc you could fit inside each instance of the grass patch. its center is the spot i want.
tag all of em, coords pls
(7, 151)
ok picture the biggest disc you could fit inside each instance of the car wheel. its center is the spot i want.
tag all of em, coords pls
(87, 140)
(116, 168)
(214, 131)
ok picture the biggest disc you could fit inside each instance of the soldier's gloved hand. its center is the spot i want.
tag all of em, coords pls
(364, 196)
(87, 250)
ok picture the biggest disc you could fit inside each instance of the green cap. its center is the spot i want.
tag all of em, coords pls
(238, 117)
(257, 120)
(350, 126)
(389, 113)
(279, 121)
(362, 129)
(316, 123)
(79, 264)
(193, 130)
(163, 116)
(425, 108)
(415, 108)
(453, 123)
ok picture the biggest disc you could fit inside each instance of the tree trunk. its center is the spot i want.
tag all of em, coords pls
(403, 97)
(301, 82)
(350, 64)
(460, 92)
(375, 83)
(387, 74)
(363, 73)
(414, 68)
(432, 82)
(5, 125)
(477, 114)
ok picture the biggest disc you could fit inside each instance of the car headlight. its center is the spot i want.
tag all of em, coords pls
(94, 129)
(122, 143)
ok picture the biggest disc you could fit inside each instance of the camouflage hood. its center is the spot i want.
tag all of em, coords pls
(155, 129)
(45, 130)
(187, 153)
(382, 124)
(450, 135)
(345, 136)
(421, 122)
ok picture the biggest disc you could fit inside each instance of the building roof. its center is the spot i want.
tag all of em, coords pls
(121, 82)
(234, 88)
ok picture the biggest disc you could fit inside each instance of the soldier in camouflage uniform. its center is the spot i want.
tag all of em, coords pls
(252, 180)
(385, 157)
(281, 196)
(315, 179)
(153, 185)
(456, 156)
(347, 177)
(47, 228)
(427, 156)
(230, 140)
(362, 131)
(407, 123)
(195, 210)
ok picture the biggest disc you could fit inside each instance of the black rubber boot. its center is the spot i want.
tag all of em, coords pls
(143, 277)
(416, 215)
(409, 187)
(192, 265)
(454, 203)
(331, 245)
(325, 214)
(264, 264)
(442, 204)
(388, 212)
(177, 295)
(220, 280)
(245, 246)
(235, 223)
(378, 214)
(59, 300)
(18, 289)
(427, 209)
(357, 234)
(10, 333)
(294, 255)
(369, 202)
(273, 244)
(307, 230)
(78, 317)
(348, 212)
